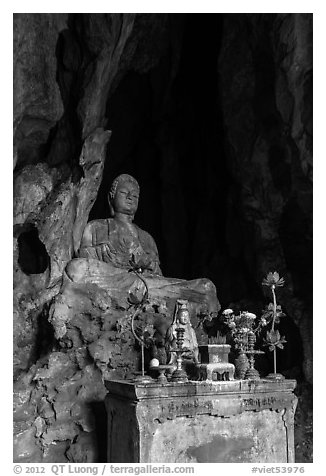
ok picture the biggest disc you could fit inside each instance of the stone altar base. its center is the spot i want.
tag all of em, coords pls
(199, 422)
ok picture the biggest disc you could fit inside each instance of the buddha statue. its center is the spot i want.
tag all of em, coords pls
(120, 257)
(190, 344)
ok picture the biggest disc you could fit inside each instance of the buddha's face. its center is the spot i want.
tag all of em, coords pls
(126, 198)
(184, 317)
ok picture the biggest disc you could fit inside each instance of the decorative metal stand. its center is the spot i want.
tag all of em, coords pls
(163, 369)
(251, 372)
(142, 377)
(179, 375)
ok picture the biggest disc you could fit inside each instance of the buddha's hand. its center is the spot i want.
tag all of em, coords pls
(140, 259)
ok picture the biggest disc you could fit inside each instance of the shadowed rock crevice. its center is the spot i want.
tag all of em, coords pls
(66, 141)
(33, 257)
(168, 133)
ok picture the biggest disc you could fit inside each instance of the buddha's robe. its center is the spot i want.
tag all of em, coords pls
(113, 249)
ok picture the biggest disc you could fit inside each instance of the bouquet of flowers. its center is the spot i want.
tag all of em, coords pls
(241, 326)
(245, 325)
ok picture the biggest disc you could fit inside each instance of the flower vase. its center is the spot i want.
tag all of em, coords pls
(241, 365)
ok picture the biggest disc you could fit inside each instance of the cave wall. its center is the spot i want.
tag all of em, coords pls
(59, 161)
(65, 68)
(269, 143)
(213, 115)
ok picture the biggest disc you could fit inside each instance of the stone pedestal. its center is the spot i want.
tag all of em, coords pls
(220, 422)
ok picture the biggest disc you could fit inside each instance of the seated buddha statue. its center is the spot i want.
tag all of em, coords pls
(122, 258)
(190, 344)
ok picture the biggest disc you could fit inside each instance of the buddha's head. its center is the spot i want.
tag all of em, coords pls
(124, 195)
(183, 313)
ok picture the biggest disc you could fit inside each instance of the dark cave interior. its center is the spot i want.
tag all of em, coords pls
(151, 111)
(33, 257)
(168, 133)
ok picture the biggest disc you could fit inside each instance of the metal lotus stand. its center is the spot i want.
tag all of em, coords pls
(137, 303)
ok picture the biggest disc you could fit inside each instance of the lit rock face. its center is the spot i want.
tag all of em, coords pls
(65, 67)
(49, 221)
(266, 100)
(37, 99)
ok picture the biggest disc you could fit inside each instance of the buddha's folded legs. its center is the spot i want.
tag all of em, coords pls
(119, 283)
(201, 293)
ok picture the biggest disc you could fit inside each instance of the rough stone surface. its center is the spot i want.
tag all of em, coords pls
(86, 323)
(37, 100)
(227, 422)
(58, 215)
(57, 175)
(61, 403)
(241, 439)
